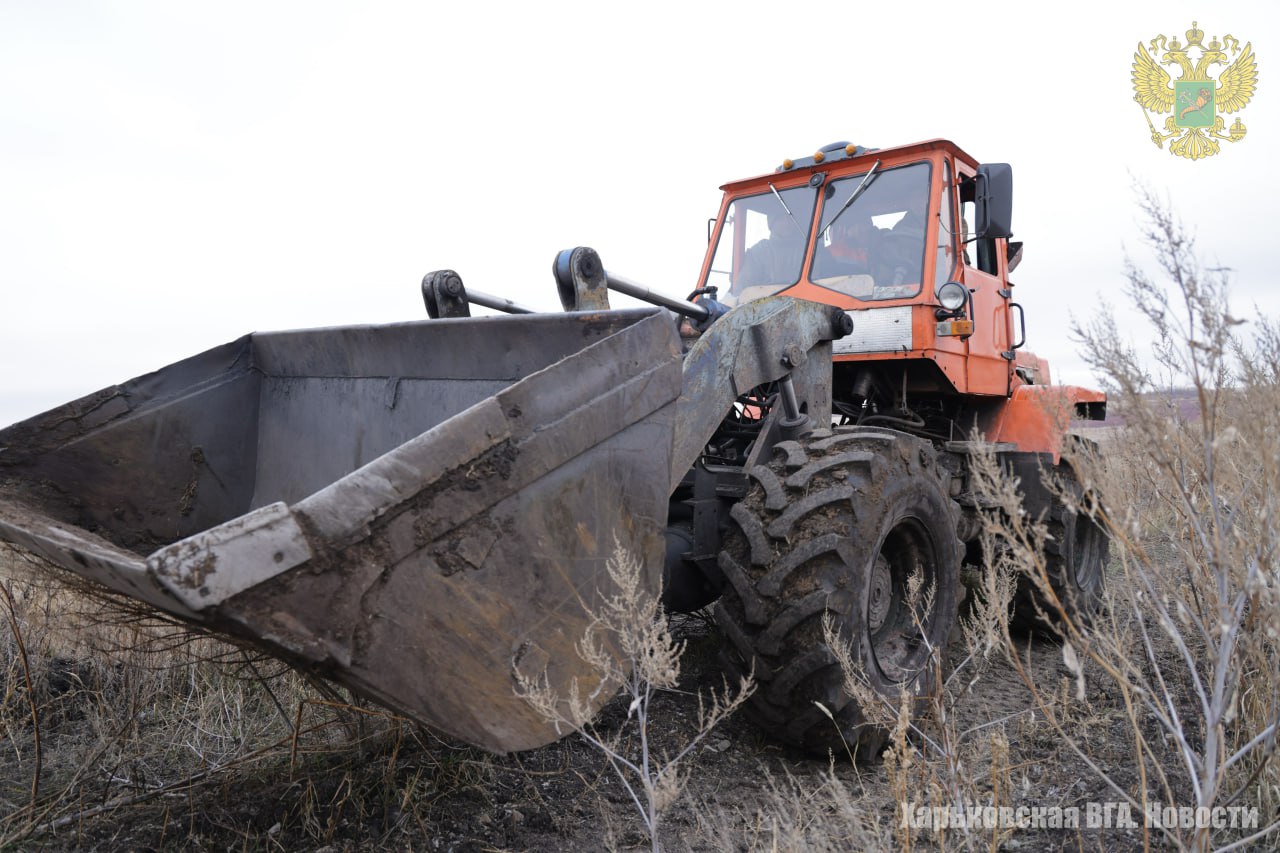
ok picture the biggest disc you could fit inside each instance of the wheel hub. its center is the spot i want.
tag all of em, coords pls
(880, 595)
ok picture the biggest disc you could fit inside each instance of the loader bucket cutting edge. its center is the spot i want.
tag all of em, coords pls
(388, 506)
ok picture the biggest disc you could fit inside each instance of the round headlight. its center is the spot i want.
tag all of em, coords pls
(952, 296)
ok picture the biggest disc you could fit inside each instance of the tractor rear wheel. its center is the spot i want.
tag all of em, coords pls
(854, 525)
(1075, 556)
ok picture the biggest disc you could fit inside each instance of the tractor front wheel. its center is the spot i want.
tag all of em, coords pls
(854, 527)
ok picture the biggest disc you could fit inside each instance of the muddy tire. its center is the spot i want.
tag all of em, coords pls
(1075, 557)
(836, 524)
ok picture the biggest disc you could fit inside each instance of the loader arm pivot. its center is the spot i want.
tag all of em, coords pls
(756, 343)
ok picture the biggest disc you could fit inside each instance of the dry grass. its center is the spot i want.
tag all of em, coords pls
(109, 715)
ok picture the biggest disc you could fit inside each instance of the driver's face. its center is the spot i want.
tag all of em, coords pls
(854, 232)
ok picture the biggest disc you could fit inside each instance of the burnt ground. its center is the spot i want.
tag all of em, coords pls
(397, 787)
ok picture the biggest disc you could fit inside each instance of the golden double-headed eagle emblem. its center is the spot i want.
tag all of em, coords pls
(1195, 102)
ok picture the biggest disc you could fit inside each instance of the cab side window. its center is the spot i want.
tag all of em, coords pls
(945, 267)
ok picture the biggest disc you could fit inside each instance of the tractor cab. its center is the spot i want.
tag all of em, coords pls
(912, 241)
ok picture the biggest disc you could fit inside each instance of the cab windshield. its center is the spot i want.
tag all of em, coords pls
(873, 248)
(762, 244)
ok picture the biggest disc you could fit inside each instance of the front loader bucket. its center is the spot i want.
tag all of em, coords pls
(408, 510)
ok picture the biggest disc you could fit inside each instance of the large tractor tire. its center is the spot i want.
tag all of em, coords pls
(836, 525)
(1075, 556)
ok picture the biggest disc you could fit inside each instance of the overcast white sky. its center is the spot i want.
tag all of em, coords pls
(173, 175)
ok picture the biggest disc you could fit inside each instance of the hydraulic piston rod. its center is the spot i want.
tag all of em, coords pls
(639, 291)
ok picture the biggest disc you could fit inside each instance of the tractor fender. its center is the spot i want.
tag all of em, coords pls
(1035, 418)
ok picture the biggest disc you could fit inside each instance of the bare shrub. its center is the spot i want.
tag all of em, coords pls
(628, 646)
(1190, 491)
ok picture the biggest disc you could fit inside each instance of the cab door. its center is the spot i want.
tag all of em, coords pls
(984, 271)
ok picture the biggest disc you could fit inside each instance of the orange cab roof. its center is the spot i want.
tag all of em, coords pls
(846, 153)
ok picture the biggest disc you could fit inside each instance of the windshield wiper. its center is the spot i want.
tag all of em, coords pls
(866, 182)
(778, 196)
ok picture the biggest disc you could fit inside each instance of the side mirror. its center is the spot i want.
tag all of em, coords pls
(993, 196)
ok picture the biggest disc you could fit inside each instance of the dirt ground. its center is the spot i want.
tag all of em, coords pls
(397, 787)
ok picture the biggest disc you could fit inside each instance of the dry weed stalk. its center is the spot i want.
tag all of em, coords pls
(1191, 633)
(11, 608)
(945, 769)
(628, 645)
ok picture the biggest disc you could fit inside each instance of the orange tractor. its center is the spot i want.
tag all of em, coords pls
(914, 244)
(418, 510)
